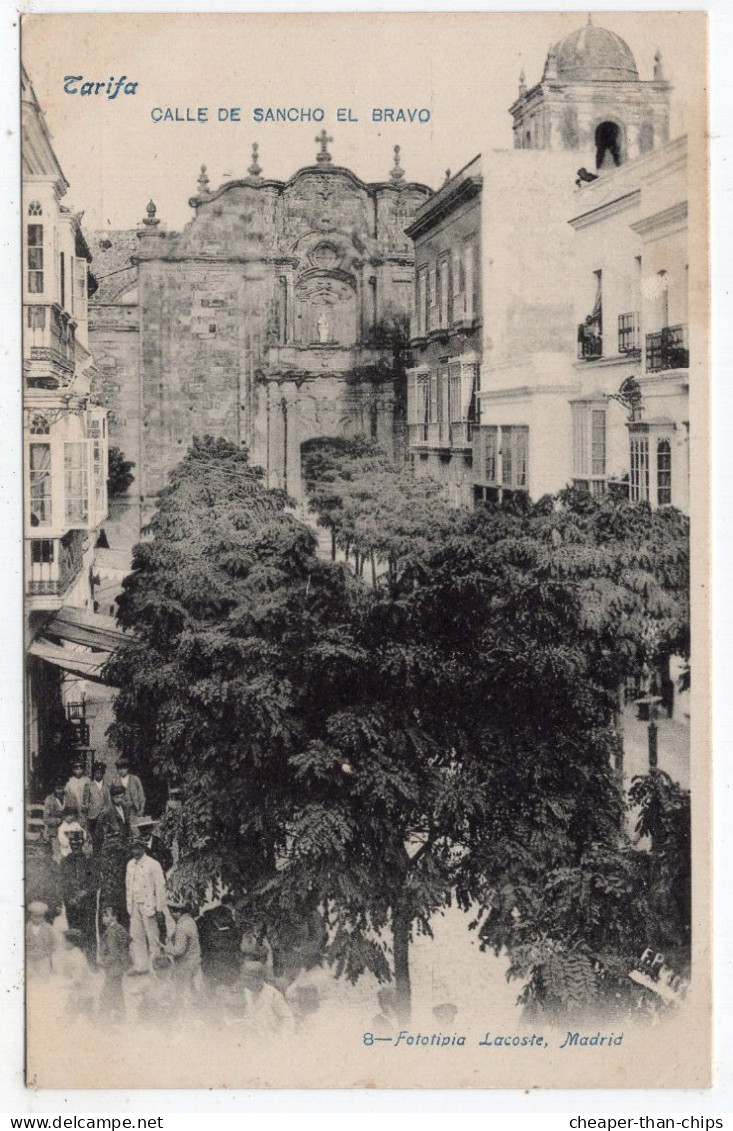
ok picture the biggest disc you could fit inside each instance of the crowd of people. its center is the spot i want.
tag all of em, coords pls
(108, 936)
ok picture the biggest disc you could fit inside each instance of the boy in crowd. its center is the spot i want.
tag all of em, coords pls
(114, 958)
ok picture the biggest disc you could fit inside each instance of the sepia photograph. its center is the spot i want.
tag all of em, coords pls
(365, 380)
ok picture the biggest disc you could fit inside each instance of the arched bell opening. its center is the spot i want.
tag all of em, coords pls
(609, 145)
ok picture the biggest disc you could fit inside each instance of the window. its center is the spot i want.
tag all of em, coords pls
(443, 408)
(433, 407)
(36, 317)
(41, 551)
(40, 484)
(444, 292)
(664, 473)
(514, 457)
(589, 448)
(639, 477)
(491, 450)
(423, 404)
(459, 284)
(79, 288)
(422, 300)
(455, 407)
(35, 258)
(76, 482)
(62, 278)
(433, 281)
(34, 208)
(39, 425)
(468, 280)
(98, 476)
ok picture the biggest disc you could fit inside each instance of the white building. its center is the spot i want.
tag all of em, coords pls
(631, 411)
(64, 433)
(580, 238)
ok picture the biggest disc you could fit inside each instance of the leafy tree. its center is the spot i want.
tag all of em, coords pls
(372, 506)
(369, 755)
(223, 604)
(474, 760)
(119, 473)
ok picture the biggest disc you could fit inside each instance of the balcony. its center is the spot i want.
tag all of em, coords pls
(55, 564)
(667, 349)
(629, 340)
(590, 343)
(49, 342)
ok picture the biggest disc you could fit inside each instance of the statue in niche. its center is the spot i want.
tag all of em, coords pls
(323, 327)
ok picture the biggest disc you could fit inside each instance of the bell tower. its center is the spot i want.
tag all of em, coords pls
(591, 99)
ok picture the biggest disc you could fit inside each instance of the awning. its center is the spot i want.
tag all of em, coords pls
(92, 636)
(88, 665)
(80, 626)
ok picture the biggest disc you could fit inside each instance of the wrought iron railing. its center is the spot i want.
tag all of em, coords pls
(590, 343)
(628, 333)
(667, 349)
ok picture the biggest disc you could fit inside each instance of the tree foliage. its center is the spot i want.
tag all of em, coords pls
(370, 755)
(372, 506)
(119, 473)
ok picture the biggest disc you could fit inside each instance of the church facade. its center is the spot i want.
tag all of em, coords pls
(275, 317)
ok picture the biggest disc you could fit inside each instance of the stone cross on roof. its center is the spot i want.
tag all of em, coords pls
(323, 140)
(203, 181)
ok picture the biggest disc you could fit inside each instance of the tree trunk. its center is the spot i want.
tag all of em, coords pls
(333, 545)
(401, 950)
(374, 571)
(619, 724)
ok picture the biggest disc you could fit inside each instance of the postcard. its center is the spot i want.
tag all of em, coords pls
(366, 439)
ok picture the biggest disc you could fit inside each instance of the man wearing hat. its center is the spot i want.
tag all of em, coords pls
(98, 798)
(146, 903)
(112, 835)
(149, 831)
(134, 792)
(77, 790)
(78, 877)
(40, 940)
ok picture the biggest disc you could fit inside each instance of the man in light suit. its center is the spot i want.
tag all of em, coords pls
(97, 797)
(133, 787)
(146, 904)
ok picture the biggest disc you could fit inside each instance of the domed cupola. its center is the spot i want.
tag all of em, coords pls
(591, 99)
(592, 54)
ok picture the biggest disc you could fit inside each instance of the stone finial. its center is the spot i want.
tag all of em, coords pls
(255, 170)
(203, 182)
(398, 173)
(447, 176)
(150, 220)
(323, 140)
(551, 64)
(658, 68)
(522, 82)
(590, 19)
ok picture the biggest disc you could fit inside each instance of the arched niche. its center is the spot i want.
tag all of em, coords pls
(325, 309)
